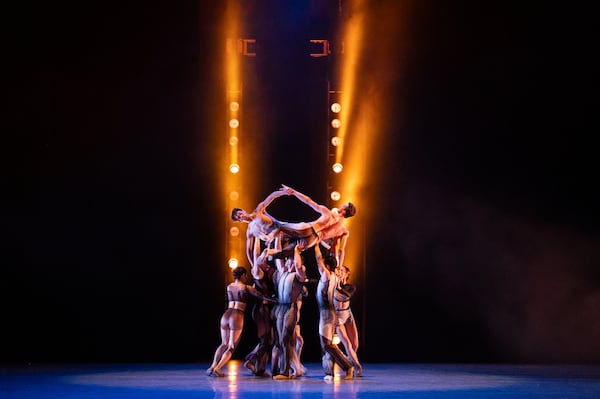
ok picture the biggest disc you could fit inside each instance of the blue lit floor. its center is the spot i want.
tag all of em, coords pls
(380, 380)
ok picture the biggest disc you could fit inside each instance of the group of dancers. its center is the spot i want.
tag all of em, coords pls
(275, 251)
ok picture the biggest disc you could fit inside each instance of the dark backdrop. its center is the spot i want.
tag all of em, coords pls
(485, 247)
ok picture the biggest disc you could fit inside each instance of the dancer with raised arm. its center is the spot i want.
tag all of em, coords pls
(289, 281)
(328, 319)
(346, 325)
(262, 272)
(298, 368)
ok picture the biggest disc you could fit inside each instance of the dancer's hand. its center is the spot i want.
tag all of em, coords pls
(286, 189)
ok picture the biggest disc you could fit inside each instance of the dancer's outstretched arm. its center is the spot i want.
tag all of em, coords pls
(322, 209)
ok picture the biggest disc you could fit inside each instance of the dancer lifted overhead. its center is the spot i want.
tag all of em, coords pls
(329, 228)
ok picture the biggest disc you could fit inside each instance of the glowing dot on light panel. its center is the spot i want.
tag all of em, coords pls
(233, 141)
(234, 196)
(234, 123)
(233, 263)
(336, 107)
(335, 195)
(234, 106)
(234, 168)
(337, 167)
(335, 141)
(336, 123)
(234, 231)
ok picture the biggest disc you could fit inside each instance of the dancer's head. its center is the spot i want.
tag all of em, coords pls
(237, 214)
(330, 261)
(349, 209)
(343, 272)
(238, 272)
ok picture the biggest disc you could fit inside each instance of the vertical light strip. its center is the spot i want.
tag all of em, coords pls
(352, 137)
(352, 51)
(372, 35)
(232, 129)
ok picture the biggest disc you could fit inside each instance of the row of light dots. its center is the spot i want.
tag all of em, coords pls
(337, 167)
(234, 123)
(234, 168)
(234, 231)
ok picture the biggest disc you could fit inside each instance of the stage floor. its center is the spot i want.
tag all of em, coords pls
(379, 380)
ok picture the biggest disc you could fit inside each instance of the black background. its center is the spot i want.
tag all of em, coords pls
(485, 247)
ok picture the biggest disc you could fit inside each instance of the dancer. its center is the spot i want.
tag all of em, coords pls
(346, 325)
(327, 318)
(262, 272)
(232, 320)
(329, 228)
(261, 225)
(298, 368)
(288, 279)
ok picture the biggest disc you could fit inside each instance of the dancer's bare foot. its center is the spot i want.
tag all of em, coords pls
(298, 373)
(250, 366)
